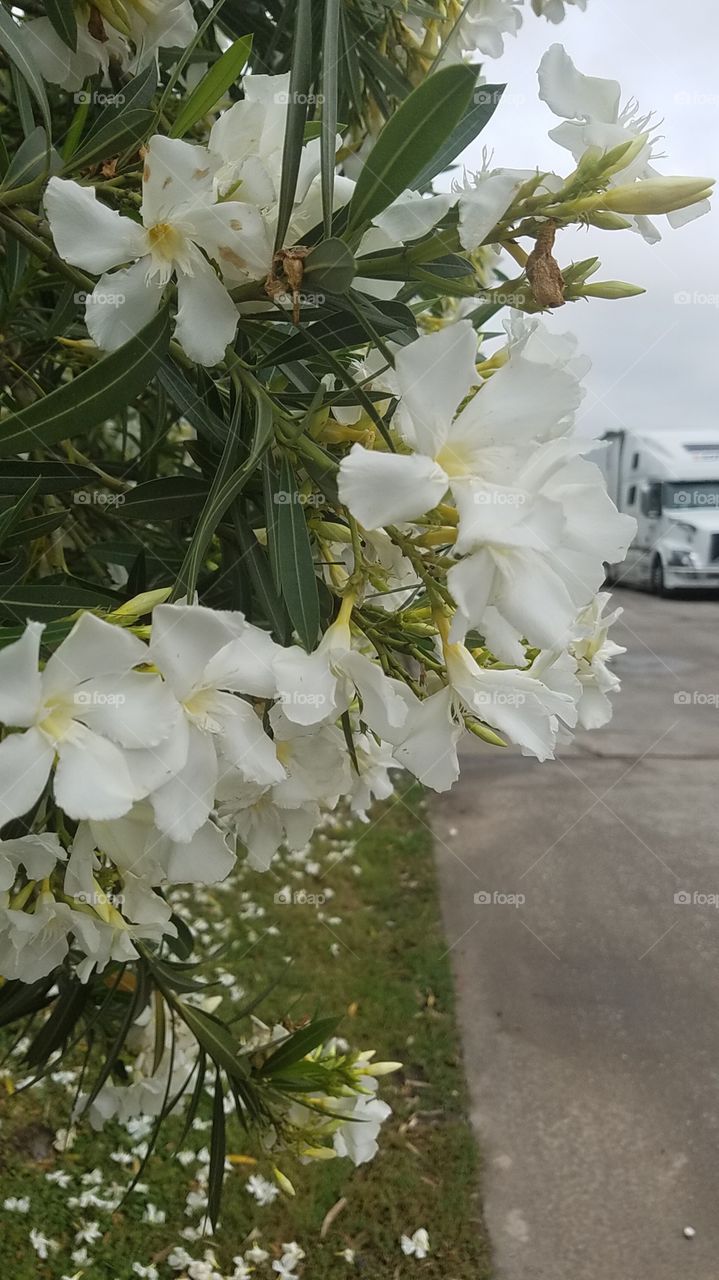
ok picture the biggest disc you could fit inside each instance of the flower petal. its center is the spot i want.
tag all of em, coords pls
(387, 488)
(575, 96)
(306, 686)
(434, 375)
(175, 173)
(205, 859)
(86, 232)
(206, 316)
(245, 743)
(25, 762)
(245, 665)
(20, 678)
(134, 710)
(185, 638)
(92, 779)
(120, 305)
(427, 746)
(183, 804)
(482, 206)
(93, 648)
(234, 234)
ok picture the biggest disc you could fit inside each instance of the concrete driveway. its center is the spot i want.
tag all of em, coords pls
(588, 983)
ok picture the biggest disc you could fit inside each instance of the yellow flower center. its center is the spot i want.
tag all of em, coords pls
(454, 460)
(166, 242)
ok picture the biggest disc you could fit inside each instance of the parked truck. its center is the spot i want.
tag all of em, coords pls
(669, 481)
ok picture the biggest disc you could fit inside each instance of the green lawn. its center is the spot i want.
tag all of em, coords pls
(378, 956)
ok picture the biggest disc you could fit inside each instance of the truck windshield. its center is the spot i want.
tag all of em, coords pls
(692, 495)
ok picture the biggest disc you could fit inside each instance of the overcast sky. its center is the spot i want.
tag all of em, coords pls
(655, 358)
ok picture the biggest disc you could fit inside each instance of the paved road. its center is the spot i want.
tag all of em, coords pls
(590, 1012)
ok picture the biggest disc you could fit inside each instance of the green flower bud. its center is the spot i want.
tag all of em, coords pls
(656, 195)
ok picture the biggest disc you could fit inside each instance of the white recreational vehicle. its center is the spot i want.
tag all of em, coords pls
(669, 481)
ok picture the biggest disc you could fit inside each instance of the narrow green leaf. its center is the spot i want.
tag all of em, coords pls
(14, 42)
(42, 604)
(165, 498)
(126, 129)
(30, 161)
(191, 403)
(10, 519)
(300, 81)
(329, 267)
(254, 558)
(485, 100)
(297, 572)
(328, 143)
(223, 73)
(62, 16)
(409, 140)
(299, 1044)
(98, 393)
(56, 1031)
(216, 1172)
(51, 477)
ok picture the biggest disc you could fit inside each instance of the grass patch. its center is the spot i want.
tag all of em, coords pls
(374, 950)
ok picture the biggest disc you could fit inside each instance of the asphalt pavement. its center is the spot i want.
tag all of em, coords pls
(581, 908)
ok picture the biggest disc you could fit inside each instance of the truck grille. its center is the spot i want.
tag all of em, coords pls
(714, 547)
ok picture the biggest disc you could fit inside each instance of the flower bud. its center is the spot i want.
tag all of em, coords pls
(611, 289)
(656, 195)
(607, 221)
(283, 1182)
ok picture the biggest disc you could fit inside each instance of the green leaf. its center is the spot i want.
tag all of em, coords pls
(56, 1031)
(255, 559)
(126, 129)
(300, 81)
(30, 161)
(299, 1044)
(62, 16)
(165, 498)
(10, 519)
(328, 143)
(215, 1040)
(408, 142)
(13, 41)
(93, 396)
(191, 403)
(42, 604)
(223, 73)
(298, 581)
(329, 267)
(52, 477)
(216, 1172)
(485, 101)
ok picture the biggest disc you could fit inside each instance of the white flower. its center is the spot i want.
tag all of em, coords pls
(33, 944)
(246, 144)
(179, 219)
(42, 1244)
(482, 27)
(263, 1191)
(179, 1259)
(150, 25)
(89, 712)
(255, 1254)
(88, 1233)
(17, 1204)
(553, 10)
(416, 1245)
(520, 707)
(208, 657)
(592, 651)
(357, 1136)
(592, 118)
(38, 854)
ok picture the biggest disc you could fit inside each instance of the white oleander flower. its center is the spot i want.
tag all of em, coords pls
(146, 25)
(593, 118)
(482, 27)
(208, 658)
(554, 10)
(593, 650)
(101, 725)
(416, 1245)
(180, 220)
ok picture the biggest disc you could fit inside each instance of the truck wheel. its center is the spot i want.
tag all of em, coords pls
(657, 579)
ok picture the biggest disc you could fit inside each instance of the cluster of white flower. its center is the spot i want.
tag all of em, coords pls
(124, 35)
